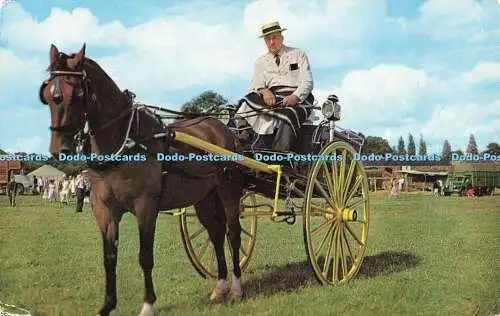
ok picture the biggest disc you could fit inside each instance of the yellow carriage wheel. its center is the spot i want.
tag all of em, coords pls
(336, 214)
(199, 248)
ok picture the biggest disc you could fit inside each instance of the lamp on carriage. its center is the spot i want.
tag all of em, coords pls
(330, 108)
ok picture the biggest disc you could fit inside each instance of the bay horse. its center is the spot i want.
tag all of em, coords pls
(91, 115)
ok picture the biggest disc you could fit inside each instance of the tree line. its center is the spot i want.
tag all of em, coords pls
(379, 145)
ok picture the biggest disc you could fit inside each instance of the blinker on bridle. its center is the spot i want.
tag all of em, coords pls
(57, 94)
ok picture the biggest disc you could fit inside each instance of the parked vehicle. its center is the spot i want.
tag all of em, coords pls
(6, 169)
(483, 177)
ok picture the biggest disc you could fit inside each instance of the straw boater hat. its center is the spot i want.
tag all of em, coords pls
(270, 28)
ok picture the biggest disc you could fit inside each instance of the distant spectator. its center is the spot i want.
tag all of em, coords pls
(394, 187)
(65, 192)
(80, 193)
(12, 191)
(471, 192)
(35, 184)
(52, 191)
(435, 188)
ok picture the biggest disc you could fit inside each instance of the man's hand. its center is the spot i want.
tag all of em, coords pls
(268, 97)
(290, 100)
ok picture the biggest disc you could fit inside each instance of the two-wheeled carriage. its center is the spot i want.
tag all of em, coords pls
(321, 180)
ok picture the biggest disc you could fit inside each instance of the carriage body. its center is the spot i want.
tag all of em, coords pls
(331, 196)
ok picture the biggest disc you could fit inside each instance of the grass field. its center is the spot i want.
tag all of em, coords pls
(426, 256)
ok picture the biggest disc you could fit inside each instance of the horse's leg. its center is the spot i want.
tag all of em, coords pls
(110, 235)
(214, 222)
(229, 199)
(146, 217)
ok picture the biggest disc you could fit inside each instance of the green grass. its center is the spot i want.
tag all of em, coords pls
(426, 256)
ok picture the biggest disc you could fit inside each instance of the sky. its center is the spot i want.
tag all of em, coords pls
(429, 68)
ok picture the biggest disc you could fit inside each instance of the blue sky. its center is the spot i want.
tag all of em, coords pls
(398, 67)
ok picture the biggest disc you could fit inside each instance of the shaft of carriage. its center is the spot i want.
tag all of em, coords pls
(240, 159)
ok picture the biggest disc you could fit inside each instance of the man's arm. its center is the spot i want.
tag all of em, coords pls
(305, 85)
(258, 80)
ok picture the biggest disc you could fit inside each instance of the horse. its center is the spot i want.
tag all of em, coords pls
(92, 117)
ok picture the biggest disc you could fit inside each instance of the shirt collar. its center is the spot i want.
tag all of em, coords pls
(280, 52)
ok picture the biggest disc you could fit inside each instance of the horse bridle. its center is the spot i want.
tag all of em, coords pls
(81, 136)
(81, 92)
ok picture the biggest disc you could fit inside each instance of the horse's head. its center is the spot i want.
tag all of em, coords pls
(65, 93)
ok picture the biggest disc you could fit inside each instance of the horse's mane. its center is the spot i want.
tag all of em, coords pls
(99, 77)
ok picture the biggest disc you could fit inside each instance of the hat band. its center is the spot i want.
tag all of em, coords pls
(272, 28)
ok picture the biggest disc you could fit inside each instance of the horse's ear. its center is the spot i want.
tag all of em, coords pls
(54, 53)
(78, 59)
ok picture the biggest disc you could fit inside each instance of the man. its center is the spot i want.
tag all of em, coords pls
(80, 192)
(280, 91)
(12, 191)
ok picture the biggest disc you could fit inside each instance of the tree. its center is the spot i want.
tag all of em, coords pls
(401, 146)
(207, 102)
(376, 145)
(458, 152)
(446, 154)
(472, 147)
(493, 149)
(422, 148)
(411, 145)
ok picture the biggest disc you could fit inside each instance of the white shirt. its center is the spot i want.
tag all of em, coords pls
(294, 71)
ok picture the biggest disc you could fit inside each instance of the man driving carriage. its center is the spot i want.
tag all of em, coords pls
(280, 97)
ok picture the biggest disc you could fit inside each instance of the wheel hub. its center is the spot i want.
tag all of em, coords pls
(349, 215)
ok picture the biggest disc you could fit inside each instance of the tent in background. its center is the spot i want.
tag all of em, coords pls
(47, 171)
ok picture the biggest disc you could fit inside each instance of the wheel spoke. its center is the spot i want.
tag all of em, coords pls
(359, 180)
(322, 226)
(342, 178)
(348, 181)
(329, 182)
(353, 235)
(335, 259)
(348, 245)
(197, 233)
(246, 232)
(352, 205)
(323, 192)
(242, 249)
(318, 251)
(342, 254)
(335, 179)
(204, 248)
(329, 251)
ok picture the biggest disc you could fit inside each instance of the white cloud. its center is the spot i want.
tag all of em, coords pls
(33, 144)
(456, 122)
(13, 67)
(483, 72)
(176, 51)
(452, 19)
(382, 93)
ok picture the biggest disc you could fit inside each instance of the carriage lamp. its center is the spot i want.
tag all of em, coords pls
(331, 108)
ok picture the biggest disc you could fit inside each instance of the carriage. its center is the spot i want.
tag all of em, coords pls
(321, 180)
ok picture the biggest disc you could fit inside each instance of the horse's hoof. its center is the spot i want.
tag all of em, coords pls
(148, 310)
(235, 297)
(218, 295)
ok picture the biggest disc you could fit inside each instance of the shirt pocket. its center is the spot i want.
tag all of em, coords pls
(293, 72)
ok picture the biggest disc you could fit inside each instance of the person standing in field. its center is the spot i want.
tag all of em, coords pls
(80, 192)
(52, 191)
(12, 191)
(394, 187)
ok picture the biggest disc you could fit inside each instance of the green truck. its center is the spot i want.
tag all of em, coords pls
(484, 177)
